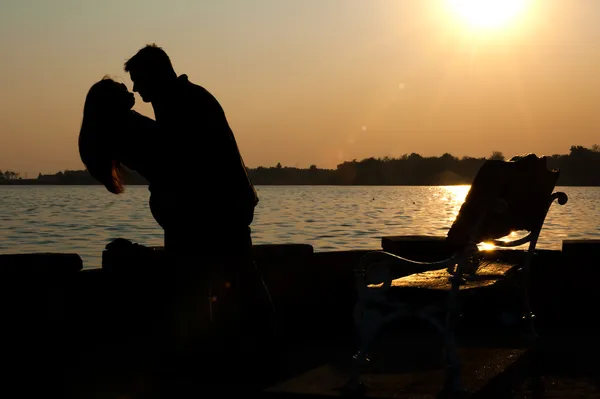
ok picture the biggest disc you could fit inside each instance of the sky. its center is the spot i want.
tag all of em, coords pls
(312, 81)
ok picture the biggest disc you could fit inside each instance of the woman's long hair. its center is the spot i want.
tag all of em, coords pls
(97, 138)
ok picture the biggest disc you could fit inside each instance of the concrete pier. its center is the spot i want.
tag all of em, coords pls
(88, 332)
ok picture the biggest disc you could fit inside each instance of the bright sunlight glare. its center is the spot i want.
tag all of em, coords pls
(487, 14)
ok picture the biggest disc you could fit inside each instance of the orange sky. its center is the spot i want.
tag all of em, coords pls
(312, 81)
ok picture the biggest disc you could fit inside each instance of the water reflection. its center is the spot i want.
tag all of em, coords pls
(455, 195)
(83, 219)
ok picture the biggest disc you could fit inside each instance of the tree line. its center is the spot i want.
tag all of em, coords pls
(580, 167)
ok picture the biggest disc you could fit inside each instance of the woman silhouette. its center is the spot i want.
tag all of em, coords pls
(114, 137)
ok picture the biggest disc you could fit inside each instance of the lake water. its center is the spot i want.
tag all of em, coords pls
(83, 219)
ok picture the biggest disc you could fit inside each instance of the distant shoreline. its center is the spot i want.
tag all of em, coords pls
(579, 168)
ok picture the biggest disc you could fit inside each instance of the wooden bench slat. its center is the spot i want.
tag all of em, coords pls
(489, 273)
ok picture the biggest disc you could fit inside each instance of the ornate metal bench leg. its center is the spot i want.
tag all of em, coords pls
(369, 322)
(528, 316)
(355, 385)
(453, 381)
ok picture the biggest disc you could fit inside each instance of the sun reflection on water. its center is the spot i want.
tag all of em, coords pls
(455, 195)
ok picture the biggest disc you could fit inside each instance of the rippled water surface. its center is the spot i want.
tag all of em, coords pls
(83, 219)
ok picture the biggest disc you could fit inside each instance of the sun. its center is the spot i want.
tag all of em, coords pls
(488, 14)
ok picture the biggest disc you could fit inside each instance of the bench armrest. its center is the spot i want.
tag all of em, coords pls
(379, 268)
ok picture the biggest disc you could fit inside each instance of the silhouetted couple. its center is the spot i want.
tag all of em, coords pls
(200, 194)
(200, 191)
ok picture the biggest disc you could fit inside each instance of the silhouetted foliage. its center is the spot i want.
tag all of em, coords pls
(581, 167)
(497, 155)
(9, 175)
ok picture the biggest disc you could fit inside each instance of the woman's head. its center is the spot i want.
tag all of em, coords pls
(108, 99)
(106, 105)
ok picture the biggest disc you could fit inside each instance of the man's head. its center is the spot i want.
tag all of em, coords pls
(151, 71)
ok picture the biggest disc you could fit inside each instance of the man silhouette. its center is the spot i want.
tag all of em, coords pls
(205, 200)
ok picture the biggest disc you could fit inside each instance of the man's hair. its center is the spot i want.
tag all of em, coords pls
(150, 59)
